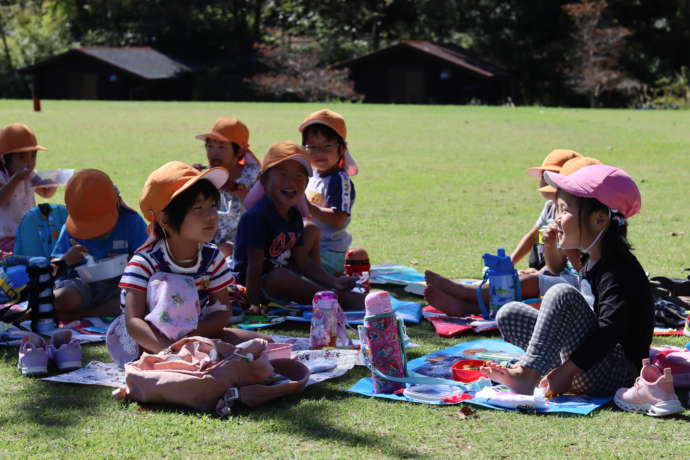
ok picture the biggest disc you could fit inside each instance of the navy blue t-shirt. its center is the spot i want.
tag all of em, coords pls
(263, 228)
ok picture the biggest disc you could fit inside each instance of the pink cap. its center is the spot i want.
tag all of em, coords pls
(377, 303)
(611, 186)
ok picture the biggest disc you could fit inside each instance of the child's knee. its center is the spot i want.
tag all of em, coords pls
(67, 299)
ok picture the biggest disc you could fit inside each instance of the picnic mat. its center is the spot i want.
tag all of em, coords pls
(325, 365)
(438, 364)
(86, 330)
(403, 275)
(450, 326)
(408, 311)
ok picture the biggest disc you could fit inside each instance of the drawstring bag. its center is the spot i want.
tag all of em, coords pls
(196, 372)
(173, 304)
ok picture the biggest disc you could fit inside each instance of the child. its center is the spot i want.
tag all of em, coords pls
(270, 258)
(570, 346)
(101, 225)
(176, 284)
(330, 192)
(561, 265)
(227, 146)
(530, 242)
(18, 152)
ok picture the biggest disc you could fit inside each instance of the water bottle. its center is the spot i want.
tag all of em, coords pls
(382, 335)
(324, 320)
(357, 264)
(41, 299)
(504, 283)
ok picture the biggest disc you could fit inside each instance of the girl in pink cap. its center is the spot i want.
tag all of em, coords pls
(570, 346)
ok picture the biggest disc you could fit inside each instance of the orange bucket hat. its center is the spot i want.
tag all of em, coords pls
(229, 129)
(18, 137)
(171, 179)
(276, 154)
(336, 122)
(553, 161)
(92, 204)
(284, 151)
(570, 167)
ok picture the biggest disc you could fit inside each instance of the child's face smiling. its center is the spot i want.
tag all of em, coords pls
(220, 154)
(285, 184)
(324, 154)
(201, 222)
(571, 234)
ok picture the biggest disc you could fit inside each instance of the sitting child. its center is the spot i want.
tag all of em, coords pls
(561, 265)
(98, 224)
(270, 258)
(227, 146)
(330, 192)
(175, 285)
(572, 347)
(18, 151)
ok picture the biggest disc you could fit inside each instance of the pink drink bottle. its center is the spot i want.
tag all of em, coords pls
(324, 320)
(381, 331)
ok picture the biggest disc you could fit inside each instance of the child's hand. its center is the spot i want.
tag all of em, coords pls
(255, 310)
(21, 174)
(254, 346)
(75, 255)
(550, 235)
(345, 283)
(240, 191)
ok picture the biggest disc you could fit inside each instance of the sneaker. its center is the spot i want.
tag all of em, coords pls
(652, 393)
(64, 350)
(33, 355)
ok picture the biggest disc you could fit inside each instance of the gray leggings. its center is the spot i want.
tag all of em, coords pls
(552, 333)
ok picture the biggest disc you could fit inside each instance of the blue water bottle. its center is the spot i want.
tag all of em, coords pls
(504, 283)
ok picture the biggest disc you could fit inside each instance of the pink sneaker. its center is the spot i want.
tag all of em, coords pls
(652, 393)
(64, 350)
(33, 355)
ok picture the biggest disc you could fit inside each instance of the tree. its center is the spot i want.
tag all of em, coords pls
(295, 73)
(595, 59)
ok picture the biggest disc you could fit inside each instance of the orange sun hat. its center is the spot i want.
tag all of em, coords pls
(18, 137)
(229, 129)
(336, 122)
(554, 161)
(570, 167)
(92, 204)
(171, 179)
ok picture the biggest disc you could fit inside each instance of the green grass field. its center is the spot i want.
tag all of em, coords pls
(438, 187)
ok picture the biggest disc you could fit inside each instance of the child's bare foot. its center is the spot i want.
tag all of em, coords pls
(519, 379)
(439, 281)
(448, 304)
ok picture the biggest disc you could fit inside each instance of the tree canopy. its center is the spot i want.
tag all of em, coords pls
(535, 41)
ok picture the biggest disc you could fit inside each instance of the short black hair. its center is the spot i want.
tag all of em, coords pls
(323, 130)
(178, 208)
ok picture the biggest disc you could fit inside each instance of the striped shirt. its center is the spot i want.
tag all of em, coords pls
(211, 273)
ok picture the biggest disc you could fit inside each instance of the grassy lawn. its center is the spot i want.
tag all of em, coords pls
(438, 187)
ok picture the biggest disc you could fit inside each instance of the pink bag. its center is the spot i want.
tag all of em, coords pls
(196, 372)
(173, 304)
(675, 358)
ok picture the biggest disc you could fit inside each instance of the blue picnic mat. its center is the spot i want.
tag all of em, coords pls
(408, 311)
(439, 366)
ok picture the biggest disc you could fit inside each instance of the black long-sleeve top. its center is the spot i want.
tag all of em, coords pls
(624, 308)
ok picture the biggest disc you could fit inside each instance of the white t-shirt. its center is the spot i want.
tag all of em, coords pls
(21, 201)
